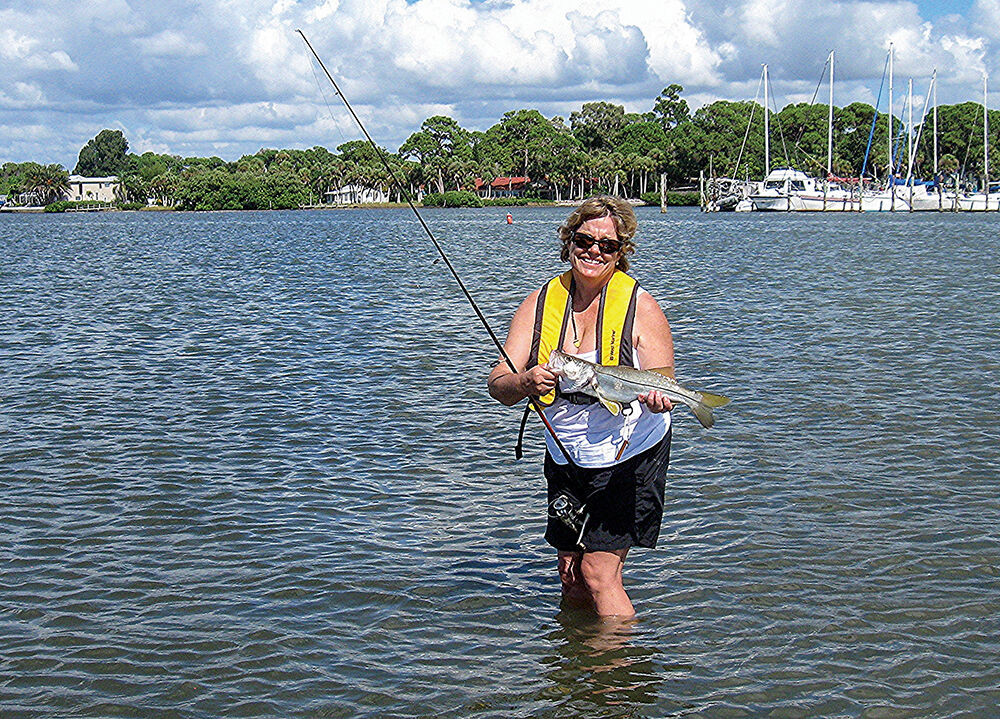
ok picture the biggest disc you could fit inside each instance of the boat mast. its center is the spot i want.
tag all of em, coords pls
(909, 138)
(829, 138)
(986, 146)
(767, 133)
(892, 179)
(936, 179)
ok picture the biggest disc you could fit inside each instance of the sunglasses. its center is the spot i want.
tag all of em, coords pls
(585, 242)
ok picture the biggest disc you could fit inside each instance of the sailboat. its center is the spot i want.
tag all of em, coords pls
(789, 190)
(988, 200)
(926, 196)
(724, 194)
(886, 199)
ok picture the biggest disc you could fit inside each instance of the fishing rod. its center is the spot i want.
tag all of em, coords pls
(535, 405)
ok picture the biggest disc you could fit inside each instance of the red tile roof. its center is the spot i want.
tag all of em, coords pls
(501, 183)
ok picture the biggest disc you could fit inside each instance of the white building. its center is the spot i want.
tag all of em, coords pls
(92, 189)
(354, 194)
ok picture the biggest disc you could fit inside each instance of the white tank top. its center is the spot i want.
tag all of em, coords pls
(593, 436)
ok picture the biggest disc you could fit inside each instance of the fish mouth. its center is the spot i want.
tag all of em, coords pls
(556, 361)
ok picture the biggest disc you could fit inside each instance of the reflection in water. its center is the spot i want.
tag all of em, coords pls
(597, 663)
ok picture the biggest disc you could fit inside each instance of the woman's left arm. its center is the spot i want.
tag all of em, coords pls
(654, 345)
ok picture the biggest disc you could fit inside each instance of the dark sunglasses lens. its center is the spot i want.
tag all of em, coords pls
(584, 242)
(609, 247)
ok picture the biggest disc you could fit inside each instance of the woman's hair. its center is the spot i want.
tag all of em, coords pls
(602, 206)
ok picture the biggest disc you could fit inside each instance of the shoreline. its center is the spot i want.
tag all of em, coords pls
(353, 206)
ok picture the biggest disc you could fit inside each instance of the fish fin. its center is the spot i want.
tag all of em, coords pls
(665, 371)
(704, 414)
(713, 400)
(614, 408)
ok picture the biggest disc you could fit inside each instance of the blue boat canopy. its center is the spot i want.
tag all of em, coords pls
(916, 183)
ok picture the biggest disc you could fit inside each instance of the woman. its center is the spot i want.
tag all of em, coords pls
(618, 462)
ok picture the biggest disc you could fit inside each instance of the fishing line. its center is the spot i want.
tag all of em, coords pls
(329, 108)
(533, 402)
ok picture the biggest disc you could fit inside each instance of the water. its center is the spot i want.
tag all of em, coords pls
(250, 469)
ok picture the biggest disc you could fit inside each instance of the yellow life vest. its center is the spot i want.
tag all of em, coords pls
(615, 318)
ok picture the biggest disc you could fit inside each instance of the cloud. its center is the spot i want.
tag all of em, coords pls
(211, 76)
(22, 95)
(170, 43)
(27, 53)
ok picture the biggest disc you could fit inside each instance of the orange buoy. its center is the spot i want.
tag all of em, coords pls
(510, 219)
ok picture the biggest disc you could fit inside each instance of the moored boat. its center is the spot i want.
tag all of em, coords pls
(790, 190)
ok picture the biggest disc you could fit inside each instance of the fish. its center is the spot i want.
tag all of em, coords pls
(615, 387)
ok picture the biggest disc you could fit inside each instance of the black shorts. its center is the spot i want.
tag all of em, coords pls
(625, 501)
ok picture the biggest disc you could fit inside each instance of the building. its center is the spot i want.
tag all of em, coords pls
(92, 189)
(354, 195)
(502, 187)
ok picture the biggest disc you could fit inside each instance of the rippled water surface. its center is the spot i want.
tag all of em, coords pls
(250, 469)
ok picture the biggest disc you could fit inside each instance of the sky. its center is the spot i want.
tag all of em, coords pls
(229, 77)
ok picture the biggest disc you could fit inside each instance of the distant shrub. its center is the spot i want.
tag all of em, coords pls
(131, 206)
(58, 206)
(674, 199)
(454, 198)
(507, 201)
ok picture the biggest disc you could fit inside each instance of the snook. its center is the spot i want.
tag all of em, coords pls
(616, 386)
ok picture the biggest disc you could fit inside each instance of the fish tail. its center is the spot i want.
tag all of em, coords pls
(704, 414)
(713, 400)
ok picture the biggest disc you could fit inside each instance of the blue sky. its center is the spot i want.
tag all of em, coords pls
(228, 77)
(933, 9)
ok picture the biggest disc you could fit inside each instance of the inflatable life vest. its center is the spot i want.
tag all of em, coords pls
(615, 318)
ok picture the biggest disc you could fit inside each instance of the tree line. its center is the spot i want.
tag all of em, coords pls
(599, 148)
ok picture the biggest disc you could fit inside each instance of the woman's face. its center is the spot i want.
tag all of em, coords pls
(591, 263)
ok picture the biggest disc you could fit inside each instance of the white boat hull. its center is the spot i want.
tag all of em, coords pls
(883, 202)
(805, 203)
(788, 190)
(979, 202)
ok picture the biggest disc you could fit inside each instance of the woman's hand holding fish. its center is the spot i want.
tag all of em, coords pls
(656, 401)
(539, 380)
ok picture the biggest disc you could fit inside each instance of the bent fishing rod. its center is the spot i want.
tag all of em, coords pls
(532, 400)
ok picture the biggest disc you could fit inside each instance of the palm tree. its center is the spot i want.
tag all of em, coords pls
(462, 172)
(132, 188)
(49, 182)
(163, 187)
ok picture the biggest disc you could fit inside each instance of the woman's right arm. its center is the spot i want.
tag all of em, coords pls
(509, 387)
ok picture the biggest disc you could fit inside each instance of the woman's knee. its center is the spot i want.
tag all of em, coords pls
(600, 570)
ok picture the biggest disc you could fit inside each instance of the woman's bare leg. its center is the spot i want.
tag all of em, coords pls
(593, 580)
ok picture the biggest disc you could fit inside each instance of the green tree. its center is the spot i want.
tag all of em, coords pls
(851, 127)
(802, 139)
(960, 133)
(441, 144)
(717, 132)
(640, 138)
(669, 109)
(216, 189)
(105, 155)
(438, 137)
(164, 188)
(596, 124)
(48, 182)
(527, 143)
(133, 187)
